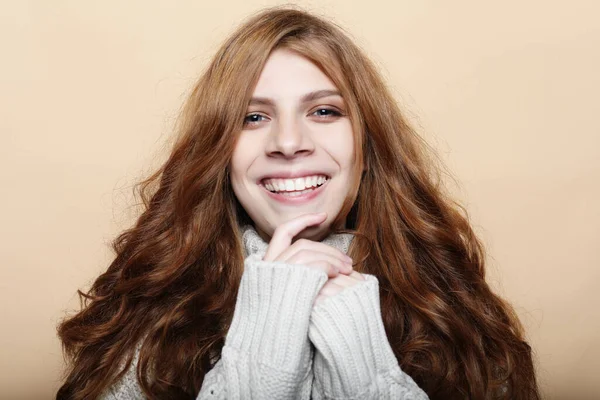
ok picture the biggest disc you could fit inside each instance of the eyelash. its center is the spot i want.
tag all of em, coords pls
(334, 113)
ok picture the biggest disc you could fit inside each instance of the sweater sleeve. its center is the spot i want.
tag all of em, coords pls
(267, 353)
(353, 358)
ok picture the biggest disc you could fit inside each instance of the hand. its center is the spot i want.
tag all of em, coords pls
(337, 284)
(306, 252)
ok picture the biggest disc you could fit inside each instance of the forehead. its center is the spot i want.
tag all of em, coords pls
(289, 74)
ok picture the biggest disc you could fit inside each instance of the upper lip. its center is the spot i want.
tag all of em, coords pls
(291, 174)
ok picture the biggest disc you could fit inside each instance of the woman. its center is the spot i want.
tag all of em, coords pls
(235, 281)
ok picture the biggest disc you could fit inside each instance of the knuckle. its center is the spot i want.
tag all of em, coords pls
(302, 241)
(300, 257)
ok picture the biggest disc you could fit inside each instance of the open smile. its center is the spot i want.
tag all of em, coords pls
(291, 196)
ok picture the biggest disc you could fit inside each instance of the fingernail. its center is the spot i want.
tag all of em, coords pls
(348, 257)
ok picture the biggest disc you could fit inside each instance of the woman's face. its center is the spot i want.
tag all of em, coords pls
(296, 137)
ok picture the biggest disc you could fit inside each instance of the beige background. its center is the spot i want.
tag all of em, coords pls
(507, 92)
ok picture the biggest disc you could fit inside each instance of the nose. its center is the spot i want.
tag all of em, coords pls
(289, 138)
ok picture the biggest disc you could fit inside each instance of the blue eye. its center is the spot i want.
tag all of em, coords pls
(327, 113)
(253, 119)
(324, 113)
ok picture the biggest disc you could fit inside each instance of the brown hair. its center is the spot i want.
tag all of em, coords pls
(172, 286)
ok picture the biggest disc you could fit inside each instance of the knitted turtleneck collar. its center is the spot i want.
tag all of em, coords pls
(254, 244)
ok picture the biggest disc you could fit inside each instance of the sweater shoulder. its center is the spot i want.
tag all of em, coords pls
(127, 387)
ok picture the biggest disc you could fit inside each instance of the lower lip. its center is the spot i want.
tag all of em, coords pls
(303, 198)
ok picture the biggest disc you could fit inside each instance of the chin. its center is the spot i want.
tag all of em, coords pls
(316, 234)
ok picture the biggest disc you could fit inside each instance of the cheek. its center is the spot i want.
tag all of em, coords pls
(234, 171)
(237, 176)
(240, 160)
(340, 147)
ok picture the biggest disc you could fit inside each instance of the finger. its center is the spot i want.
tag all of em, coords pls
(305, 256)
(284, 233)
(331, 270)
(330, 289)
(357, 275)
(345, 280)
(305, 244)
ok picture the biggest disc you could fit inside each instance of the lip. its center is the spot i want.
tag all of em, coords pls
(304, 198)
(291, 175)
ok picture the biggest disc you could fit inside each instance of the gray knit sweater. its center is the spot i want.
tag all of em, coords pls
(281, 347)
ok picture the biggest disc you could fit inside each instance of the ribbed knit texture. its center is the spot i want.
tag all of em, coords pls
(354, 359)
(268, 352)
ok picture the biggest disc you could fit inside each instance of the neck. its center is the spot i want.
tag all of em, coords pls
(253, 243)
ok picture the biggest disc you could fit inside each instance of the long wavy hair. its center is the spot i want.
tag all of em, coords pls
(172, 287)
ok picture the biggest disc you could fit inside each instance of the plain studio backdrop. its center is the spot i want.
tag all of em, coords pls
(506, 91)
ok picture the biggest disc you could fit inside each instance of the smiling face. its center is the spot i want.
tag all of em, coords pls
(296, 136)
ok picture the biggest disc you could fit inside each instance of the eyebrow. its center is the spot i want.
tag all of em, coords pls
(305, 99)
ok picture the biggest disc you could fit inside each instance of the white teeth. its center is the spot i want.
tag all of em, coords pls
(299, 184)
(296, 185)
(295, 194)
